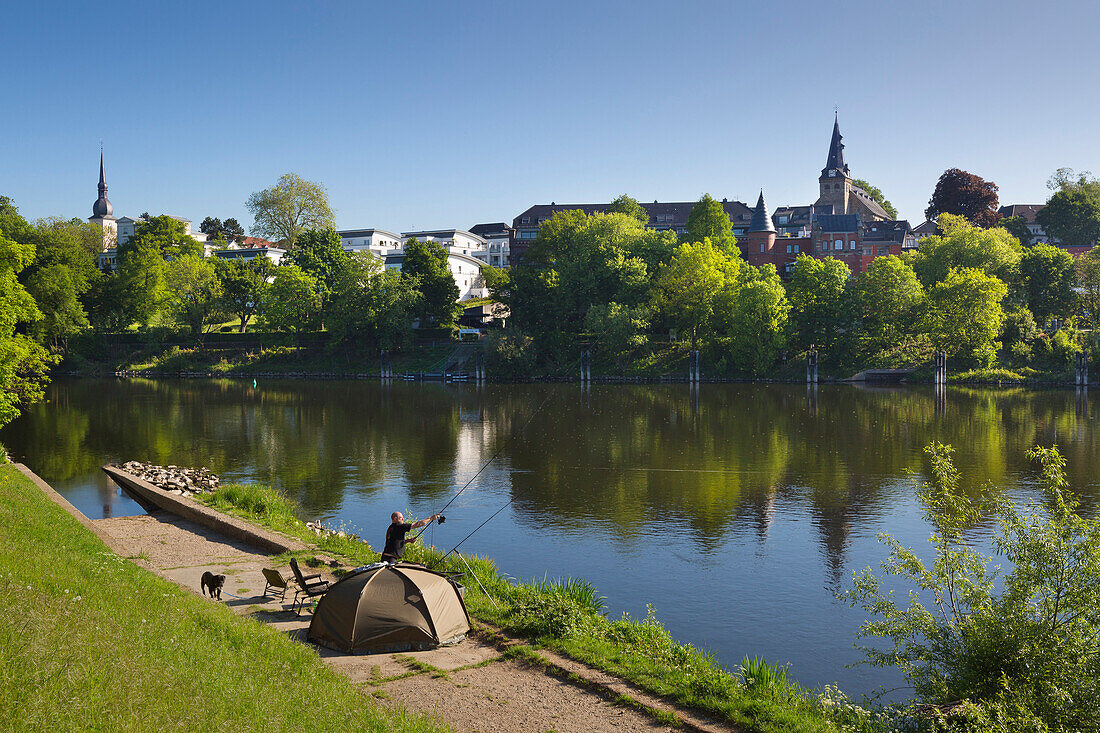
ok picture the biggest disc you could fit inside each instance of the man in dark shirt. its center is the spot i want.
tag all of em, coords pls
(395, 536)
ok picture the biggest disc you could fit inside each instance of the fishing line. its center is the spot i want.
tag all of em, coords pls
(549, 394)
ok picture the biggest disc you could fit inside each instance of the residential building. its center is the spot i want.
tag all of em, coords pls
(252, 251)
(378, 242)
(498, 237)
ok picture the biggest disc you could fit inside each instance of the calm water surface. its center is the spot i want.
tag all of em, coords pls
(735, 511)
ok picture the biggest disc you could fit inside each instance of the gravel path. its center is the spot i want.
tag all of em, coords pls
(470, 685)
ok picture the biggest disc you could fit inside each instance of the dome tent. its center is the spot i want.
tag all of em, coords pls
(390, 608)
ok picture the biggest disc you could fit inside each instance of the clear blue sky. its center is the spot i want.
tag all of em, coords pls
(423, 115)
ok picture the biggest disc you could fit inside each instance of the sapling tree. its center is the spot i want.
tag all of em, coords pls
(1023, 644)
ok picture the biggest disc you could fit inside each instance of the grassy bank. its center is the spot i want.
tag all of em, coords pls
(90, 641)
(567, 616)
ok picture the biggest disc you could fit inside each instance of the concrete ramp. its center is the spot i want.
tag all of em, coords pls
(879, 375)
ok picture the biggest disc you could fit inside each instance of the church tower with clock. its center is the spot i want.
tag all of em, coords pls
(103, 212)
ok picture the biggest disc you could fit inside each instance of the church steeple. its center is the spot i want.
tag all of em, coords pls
(102, 208)
(761, 221)
(835, 164)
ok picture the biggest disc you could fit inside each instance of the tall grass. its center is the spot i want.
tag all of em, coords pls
(91, 642)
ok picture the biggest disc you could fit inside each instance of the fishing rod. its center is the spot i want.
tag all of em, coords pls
(465, 486)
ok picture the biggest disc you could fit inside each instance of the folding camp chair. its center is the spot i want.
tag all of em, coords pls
(308, 587)
(275, 583)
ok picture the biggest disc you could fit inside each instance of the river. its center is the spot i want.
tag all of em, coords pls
(736, 511)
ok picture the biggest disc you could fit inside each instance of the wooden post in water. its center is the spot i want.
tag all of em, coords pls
(940, 375)
(1082, 369)
(693, 367)
(387, 372)
(811, 366)
(586, 366)
(479, 366)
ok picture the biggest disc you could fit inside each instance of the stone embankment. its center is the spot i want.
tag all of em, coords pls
(174, 479)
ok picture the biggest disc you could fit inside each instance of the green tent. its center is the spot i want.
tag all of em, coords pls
(389, 608)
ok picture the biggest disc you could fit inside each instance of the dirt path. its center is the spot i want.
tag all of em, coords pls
(472, 685)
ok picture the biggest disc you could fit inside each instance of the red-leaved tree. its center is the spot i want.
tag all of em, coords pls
(965, 194)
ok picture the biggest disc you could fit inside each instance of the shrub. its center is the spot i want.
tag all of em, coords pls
(509, 353)
(1022, 645)
(548, 614)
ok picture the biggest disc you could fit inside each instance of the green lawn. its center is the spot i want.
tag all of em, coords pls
(90, 641)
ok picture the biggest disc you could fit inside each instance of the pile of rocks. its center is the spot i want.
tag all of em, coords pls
(174, 479)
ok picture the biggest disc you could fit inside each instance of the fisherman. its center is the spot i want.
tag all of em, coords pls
(395, 536)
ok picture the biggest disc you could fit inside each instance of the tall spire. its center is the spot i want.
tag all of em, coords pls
(102, 207)
(836, 152)
(761, 221)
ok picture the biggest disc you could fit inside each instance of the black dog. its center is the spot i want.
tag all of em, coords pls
(213, 584)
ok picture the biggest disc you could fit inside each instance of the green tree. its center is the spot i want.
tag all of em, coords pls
(619, 329)
(1022, 644)
(232, 228)
(889, 303)
(1072, 214)
(320, 253)
(293, 301)
(1088, 279)
(877, 195)
(427, 262)
(821, 305)
(1017, 227)
(194, 293)
(107, 304)
(755, 317)
(372, 303)
(63, 270)
(961, 244)
(288, 208)
(965, 315)
(709, 220)
(967, 195)
(1048, 277)
(244, 285)
(164, 235)
(24, 364)
(687, 289)
(626, 205)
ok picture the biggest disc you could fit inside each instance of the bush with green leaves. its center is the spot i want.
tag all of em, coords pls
(1024, 645)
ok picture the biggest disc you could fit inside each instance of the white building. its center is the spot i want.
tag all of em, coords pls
(275, 254)
(497, 237)
(378, 242)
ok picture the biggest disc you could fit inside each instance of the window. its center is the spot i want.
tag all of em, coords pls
(763, 247)
(852, 245)
(838, 244)
(783, 220)
(866, 250)
(528, 235)
(883, 251)
(525, 220)
(788, 249)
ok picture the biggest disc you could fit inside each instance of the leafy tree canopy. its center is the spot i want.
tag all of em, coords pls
(24, 364)
(372, 303)
(1072, 214)
(1088, 278)
(1048, 276)
(964, 194)
(320, 253)
(821, 303)
(193, 293)
(961, 244)
(626, 205)
(965, 315)
(293, 301)
(688, 288)
(876, 195)
(890, 298)
(709, 220)
(288, 208)
(1017, 227)
(244, 285)
(427, 262)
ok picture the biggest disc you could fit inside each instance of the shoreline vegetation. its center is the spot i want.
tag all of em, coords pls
(657, 362)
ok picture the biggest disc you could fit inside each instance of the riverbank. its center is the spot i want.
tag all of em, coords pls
(90, 640)
(566, 617)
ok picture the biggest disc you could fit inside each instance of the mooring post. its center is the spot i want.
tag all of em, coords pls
(586, 368)
(1082, 369)
(479, 366)
(386, 372)
(940, 376)
(811, 366)
(693, 367)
